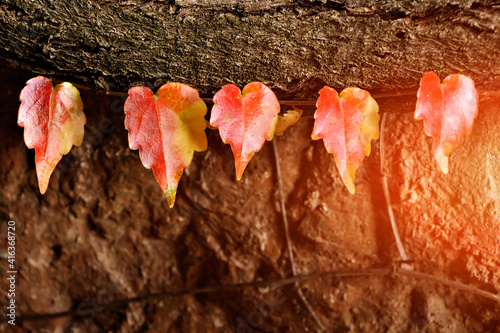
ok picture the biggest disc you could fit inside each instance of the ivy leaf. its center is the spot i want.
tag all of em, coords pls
(245, 119)
(346, 123)
(167, 127)
(287, 120)
(53, 122)
(448, 110)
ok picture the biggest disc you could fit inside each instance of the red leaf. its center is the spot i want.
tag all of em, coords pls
(346, 123)
(245, 120)
(167, 127)
(53, 122)
(448, 111)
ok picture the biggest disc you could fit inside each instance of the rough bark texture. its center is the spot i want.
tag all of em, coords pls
(293, 46)
(104, 232)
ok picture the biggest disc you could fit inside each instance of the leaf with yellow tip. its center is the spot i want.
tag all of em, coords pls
(346, 123)
(53, 122)
(448, 110)
(287, 120)
(166, 127)
(245, 119)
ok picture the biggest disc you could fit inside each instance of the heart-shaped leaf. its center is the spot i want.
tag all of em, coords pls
(346, 123)
(245, 119)
(53, 122)
(167, 127)
(448, 110)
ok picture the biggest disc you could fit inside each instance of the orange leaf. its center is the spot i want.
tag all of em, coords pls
(53, 122)
(167, 127)
(346, 123)
(448, 111)
(245, 120)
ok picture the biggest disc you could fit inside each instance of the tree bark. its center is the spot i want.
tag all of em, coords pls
(295, 47)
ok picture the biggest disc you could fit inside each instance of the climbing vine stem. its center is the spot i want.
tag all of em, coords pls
(277, 283)
(387, 195)
(287, 236)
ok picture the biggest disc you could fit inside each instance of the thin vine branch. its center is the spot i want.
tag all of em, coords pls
(276, 283)
(387, 195)
(283, 209)
(377, 95)
(287, 236)
(272, 284)
(453, 284)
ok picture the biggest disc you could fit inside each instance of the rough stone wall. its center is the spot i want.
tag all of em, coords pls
(103, 231)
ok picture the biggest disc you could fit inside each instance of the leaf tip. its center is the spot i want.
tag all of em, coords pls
(44, 170)
(442, 157)
(240, 168)
(443, 164)
(43, 185)
(349, 183)
(241, 161)
(351, 187)
(347, 176)
(170, 195)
